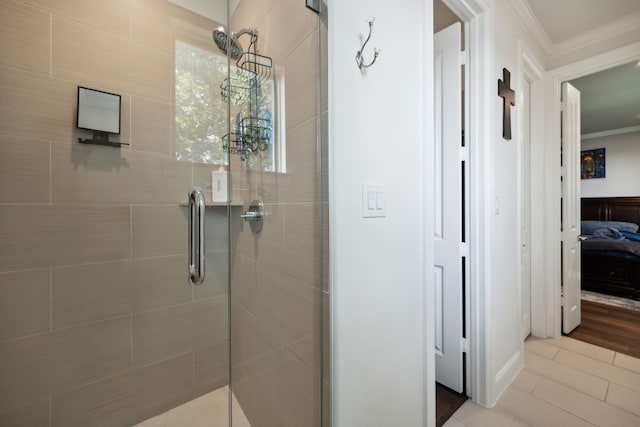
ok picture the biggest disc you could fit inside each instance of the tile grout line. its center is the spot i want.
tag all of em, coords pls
(51, 45)
(50, 174)
(51, 299)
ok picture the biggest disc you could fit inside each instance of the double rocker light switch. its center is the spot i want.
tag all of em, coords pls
(373, 205)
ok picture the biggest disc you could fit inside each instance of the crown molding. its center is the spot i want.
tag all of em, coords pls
(612, 132)
(467, 9)
(531, 23)
(598, 35)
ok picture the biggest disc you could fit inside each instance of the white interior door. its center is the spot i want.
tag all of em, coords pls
(448, 208)
(570, 208)
(525, 231)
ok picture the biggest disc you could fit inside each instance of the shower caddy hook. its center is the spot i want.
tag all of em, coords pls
(376, 51)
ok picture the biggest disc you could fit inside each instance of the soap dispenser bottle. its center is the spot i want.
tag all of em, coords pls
(219, 185)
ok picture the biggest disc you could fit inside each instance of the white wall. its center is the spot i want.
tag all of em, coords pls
(622, 167)
(505, 343)
(381, 279)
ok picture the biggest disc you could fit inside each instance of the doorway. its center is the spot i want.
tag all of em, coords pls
(552, 324)
(451, 207)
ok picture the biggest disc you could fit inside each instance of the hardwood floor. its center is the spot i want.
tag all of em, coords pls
(615, 328)
(447, 402)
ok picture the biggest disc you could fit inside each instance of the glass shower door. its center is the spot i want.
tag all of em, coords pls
(278, 259)
(98, 324)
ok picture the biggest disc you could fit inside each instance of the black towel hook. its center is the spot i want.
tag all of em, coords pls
(376, 51)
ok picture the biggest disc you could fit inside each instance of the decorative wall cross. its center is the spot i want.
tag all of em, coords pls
(509, 100)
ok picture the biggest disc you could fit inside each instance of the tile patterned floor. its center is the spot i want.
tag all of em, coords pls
(209, 410)
(564, 383)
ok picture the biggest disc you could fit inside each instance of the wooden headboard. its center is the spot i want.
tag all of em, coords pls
(625, 209)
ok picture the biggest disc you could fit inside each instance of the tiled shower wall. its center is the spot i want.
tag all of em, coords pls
(97, 323)
(279, 293)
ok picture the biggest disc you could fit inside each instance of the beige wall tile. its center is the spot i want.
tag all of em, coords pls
(326, 403)
(600, 369)
(128, 398)
(584, 348)
(244, 285)
(301, 82)
(46, 364)
(297, 391)
(324, 170)
(300, 184)
(536, 411)
(324, 67)
(326, 340)
(88, 293)
(290, 307)
(160, 23)
(269, 245)
(217, 228)
(89, 56)
(24, 303)
(255, 348)
(44, 236)
(37, 107)
(278, 40)
(583, 406)
(211, 367)
(164, 333)
(112, 15)
(570, 376)
(24, 38)
(216, 276)
(160, 282)
(541, 348)
(24, 170)
(34, 414)
(83, 173)
(302, 228)
(627, 362)
(151, 125)
(45, 108)
(159, 230)
(249, 13)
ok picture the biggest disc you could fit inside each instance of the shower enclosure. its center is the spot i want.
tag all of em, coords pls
(98, 322)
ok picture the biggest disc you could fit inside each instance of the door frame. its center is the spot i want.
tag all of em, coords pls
(477, 19)
(548, 320)
(531, 70)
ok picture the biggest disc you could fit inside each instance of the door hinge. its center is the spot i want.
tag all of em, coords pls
(464, 249)
(464, 154)
(464, 345)
(464, 57)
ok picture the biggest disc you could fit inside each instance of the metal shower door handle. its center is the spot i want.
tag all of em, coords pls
(196, 236)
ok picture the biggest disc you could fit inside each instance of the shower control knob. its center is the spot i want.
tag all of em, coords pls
(255, 216)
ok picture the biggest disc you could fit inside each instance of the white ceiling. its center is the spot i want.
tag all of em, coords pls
(565, 19)
(610, 99)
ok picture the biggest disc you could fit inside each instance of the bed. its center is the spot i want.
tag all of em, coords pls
(611, 267)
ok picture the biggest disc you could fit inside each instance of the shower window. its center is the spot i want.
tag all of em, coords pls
(200, 111)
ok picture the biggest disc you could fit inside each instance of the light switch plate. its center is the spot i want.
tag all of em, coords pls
(373, 204)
